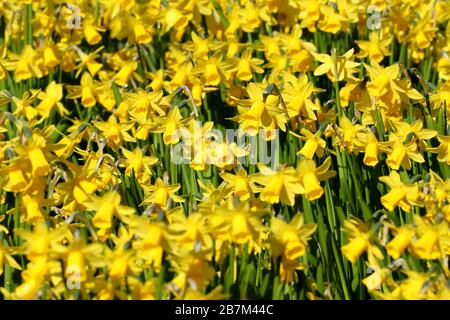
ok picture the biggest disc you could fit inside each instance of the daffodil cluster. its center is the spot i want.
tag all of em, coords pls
(134, 138)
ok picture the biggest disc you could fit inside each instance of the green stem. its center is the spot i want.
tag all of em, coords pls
(28, 14)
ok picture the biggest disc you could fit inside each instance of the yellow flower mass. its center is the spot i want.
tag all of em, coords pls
(224, 149)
